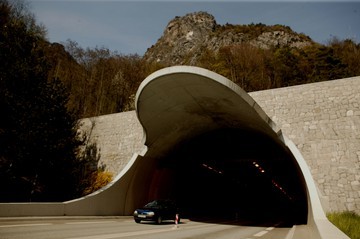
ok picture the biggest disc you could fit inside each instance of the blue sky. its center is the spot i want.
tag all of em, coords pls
(133, 26)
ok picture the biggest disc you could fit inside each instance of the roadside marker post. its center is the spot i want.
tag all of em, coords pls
(176, 220)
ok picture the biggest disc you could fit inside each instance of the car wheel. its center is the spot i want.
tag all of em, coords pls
(159, 220)
(137, 220)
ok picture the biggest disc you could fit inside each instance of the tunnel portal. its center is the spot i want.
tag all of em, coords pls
(232, 174)
(214, 151)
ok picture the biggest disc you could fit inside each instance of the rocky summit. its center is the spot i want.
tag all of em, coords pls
(185, 38)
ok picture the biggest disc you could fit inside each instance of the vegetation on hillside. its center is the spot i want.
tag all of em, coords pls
(256, 69)
(100, 81)
(105, 82)
(39, 159)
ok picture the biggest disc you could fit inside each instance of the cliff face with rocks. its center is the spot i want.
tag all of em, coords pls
(188, 36)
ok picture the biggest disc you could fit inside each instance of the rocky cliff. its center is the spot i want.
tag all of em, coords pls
(188, 36)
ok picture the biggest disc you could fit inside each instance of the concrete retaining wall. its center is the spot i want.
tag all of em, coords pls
(117, 137)
(322, 119)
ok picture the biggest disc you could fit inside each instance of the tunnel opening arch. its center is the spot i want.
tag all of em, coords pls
(209, 143)
(229, 174)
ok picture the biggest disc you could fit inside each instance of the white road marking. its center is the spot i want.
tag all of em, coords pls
(96, 222)
(260, 234)
(27, 225)
(124, 234)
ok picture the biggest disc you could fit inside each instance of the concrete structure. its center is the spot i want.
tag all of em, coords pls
(323, 120)
(187, 112)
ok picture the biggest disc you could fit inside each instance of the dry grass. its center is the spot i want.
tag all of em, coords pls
(348, 222)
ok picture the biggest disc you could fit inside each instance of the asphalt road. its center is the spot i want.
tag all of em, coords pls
(125, 227)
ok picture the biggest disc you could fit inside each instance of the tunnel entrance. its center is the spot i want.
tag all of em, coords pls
(212, 149)
(233, 174)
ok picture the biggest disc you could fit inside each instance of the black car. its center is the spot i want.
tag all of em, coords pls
(157, 211)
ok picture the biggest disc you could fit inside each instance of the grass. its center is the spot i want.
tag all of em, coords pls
(348, 222)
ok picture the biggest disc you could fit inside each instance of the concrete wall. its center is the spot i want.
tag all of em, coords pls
(117, 137)
(322, 119)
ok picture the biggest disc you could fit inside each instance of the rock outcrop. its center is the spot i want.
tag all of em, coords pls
(185, 38)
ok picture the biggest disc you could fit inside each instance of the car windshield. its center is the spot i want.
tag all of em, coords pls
(153, 204)
(159, 204)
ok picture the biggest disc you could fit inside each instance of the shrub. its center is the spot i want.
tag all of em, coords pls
(99, 179)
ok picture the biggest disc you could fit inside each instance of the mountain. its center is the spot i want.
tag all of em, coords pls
(187, 37)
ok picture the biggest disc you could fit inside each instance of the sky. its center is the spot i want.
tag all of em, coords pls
(132, 26)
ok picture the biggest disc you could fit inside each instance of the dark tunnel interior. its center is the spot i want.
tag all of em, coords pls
(233, 174)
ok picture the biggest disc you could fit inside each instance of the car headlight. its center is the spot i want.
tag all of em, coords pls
(135, 212)
(150, 214)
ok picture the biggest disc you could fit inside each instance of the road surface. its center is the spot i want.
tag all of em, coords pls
(125, 227)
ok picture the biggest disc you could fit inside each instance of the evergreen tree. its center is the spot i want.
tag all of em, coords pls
(37, 134)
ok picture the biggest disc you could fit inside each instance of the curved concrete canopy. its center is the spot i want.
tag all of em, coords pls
(195, 119)
(181, 102)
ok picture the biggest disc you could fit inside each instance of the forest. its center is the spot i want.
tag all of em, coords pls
(42, 157)
(104, 82)
(45, 88)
